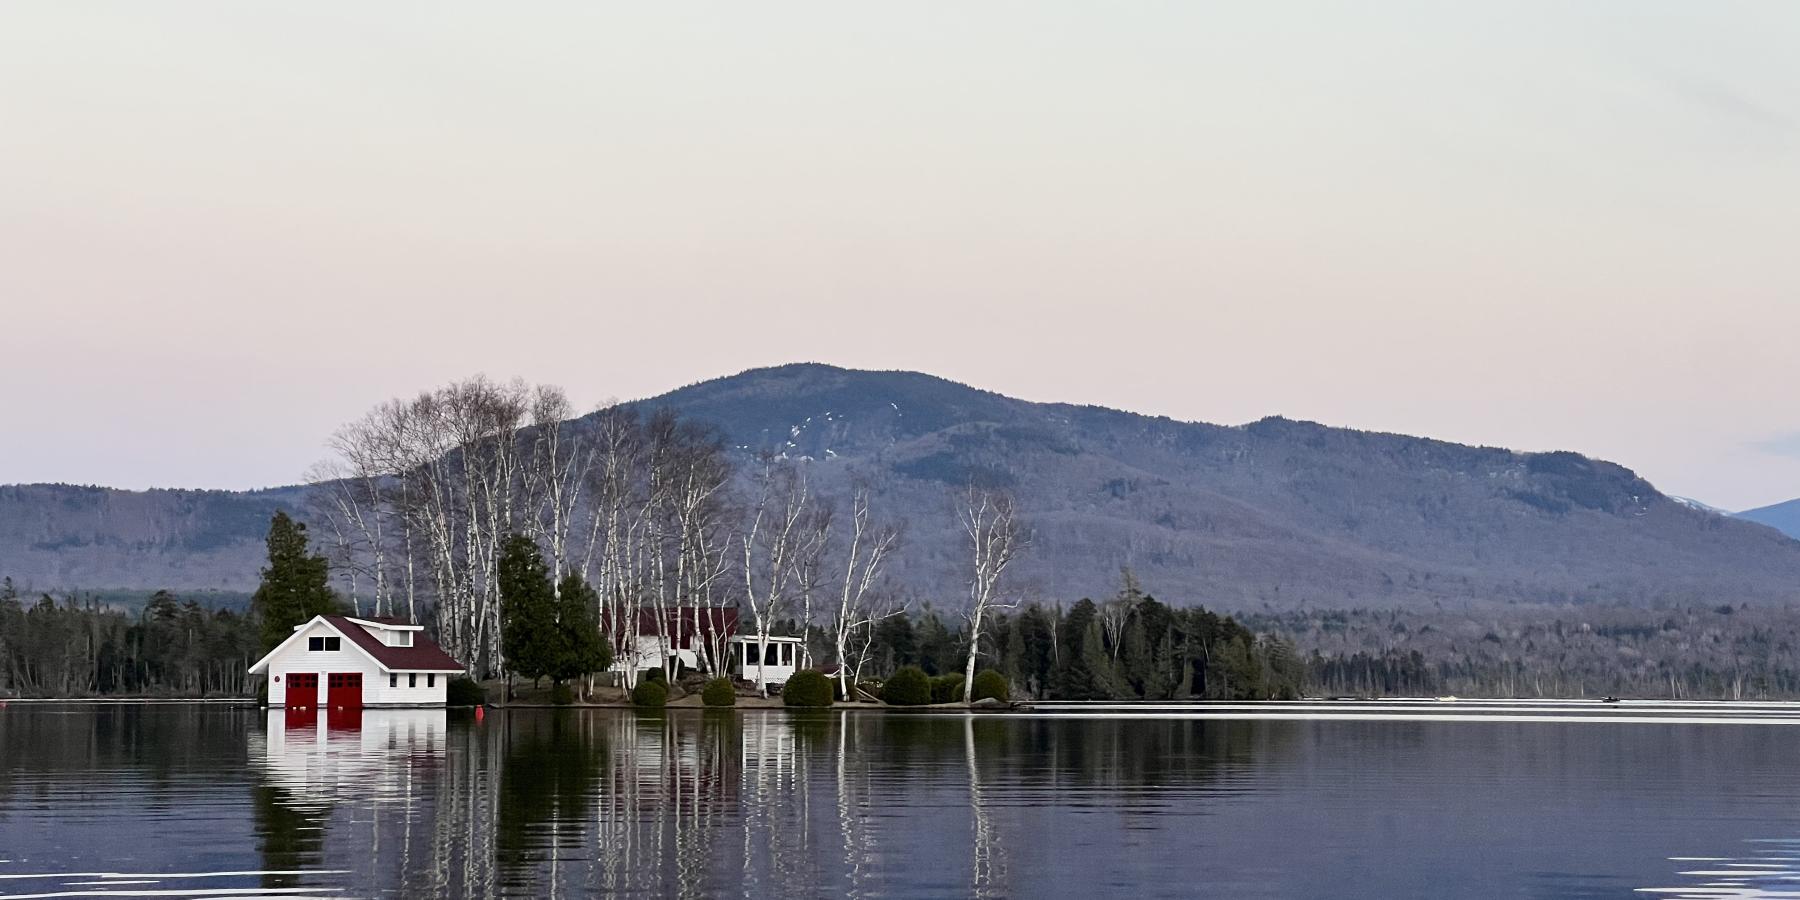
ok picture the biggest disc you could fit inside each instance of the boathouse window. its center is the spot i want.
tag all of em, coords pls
(412, 680)
(321, 643)
(393, 681)
(431, 681)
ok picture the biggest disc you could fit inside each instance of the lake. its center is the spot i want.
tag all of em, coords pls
(1327, 800)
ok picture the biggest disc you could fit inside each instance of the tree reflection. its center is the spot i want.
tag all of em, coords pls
(987, 853)
(290, 838)
(547, 780)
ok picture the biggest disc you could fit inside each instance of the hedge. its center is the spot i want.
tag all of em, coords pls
(989, 683)
(719, 692)
(650, 694)
(947, 688)
(908, 687)
(807, 687)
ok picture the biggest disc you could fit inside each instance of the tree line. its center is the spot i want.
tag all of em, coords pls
(75, 646)
(1127, 647)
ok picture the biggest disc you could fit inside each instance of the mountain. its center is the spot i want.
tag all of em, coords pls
(1703, 507)
(64, 536)
(1783, 517)
(1273, 514)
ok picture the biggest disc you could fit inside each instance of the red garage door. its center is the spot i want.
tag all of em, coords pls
(345, 690)
(302, 690)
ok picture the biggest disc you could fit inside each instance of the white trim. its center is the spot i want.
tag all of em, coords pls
(263, 663)
(384, 625)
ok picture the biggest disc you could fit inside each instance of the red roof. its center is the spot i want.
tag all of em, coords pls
(423, 656)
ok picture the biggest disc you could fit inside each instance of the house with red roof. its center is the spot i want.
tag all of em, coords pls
(352, 662)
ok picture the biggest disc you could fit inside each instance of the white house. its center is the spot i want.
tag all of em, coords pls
(347, 663)
(693, 636)
(782, 656)
(688, 636)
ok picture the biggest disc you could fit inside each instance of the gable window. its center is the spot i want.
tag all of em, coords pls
(412, 680)
(315, 643)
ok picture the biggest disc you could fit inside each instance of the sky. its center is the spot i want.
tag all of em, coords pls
(226, 229)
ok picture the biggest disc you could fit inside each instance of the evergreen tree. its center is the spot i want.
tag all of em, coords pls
(581, 648)
(895, 645)
(937, 646)
(529, 636)
(296, 585)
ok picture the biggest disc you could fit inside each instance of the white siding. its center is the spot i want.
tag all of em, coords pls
(348, 658)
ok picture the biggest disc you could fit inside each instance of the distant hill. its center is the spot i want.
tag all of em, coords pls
(55, 536)
(1273, 514)
(1783, 517)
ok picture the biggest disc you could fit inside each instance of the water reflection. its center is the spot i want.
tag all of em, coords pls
(1768, 868)
(547, 803)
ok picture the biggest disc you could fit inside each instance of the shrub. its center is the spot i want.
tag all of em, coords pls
(807, 687)
(657, 674)
(464, 691)
(649, 695)
(989, 683)
(719, 692)
(947, 688)
(561, 695)
(908, 687)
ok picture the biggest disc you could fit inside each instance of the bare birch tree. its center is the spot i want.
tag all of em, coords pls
(774, 544)
(857, 607)
(990, 520)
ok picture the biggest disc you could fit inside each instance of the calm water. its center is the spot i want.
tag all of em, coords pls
(204, 801)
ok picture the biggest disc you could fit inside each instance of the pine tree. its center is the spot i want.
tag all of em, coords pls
(296, 585)
(528, 632)
(581, 648)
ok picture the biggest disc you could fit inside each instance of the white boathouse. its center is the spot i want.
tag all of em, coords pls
(348, 662)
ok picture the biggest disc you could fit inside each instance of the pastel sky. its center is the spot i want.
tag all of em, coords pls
(226, 228)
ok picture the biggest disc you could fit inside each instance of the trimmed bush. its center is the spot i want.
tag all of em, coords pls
(656, 674)
(989, 683)
(719, 692)
(561, 695)
(947, 688)
(464, 691)
(807, 687)
(908, 687)
(650, 695)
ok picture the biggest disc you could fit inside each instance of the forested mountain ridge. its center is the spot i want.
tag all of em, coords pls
(1273, 514)
(61, 536)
